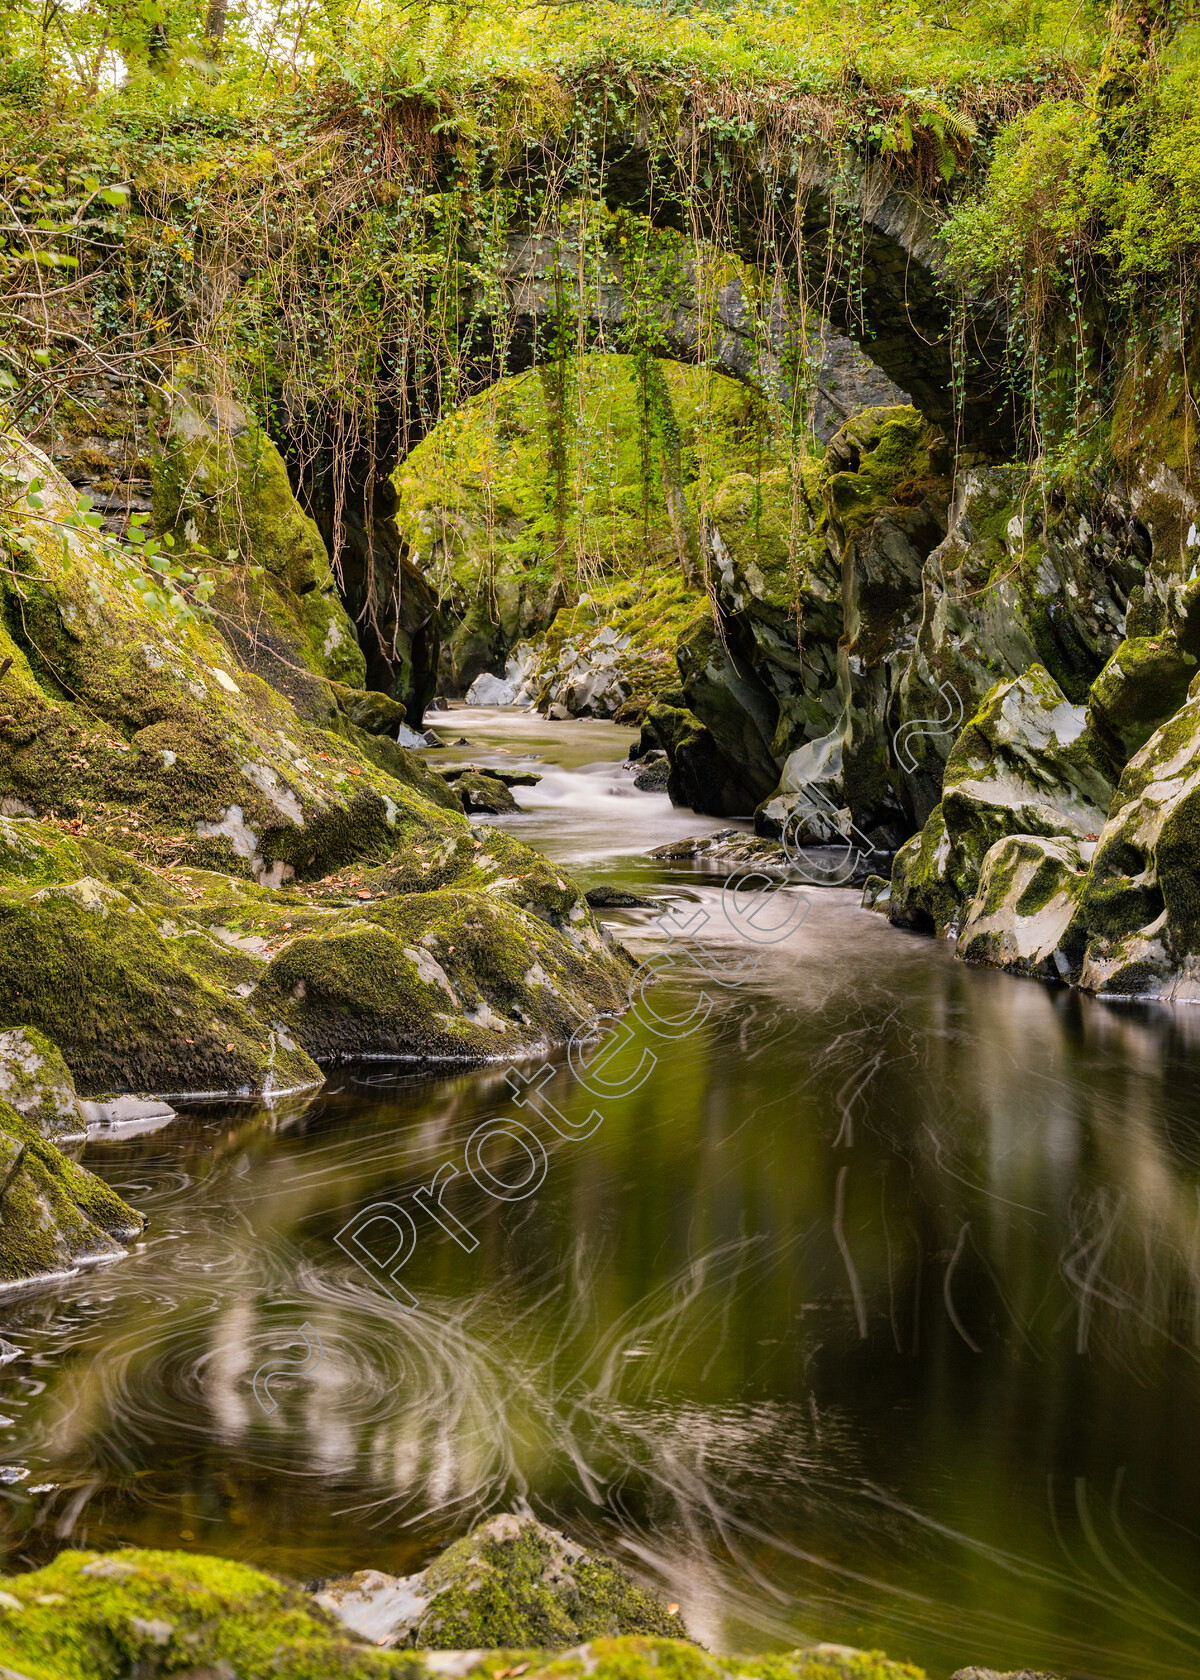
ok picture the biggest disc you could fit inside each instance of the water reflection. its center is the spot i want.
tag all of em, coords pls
(873, 1315)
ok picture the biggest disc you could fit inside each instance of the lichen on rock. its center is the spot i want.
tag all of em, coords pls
(1024, 915)
(1026, 763)
(36, 1081)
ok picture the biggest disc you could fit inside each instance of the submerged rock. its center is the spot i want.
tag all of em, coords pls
(618, 898)
(1009, 1674)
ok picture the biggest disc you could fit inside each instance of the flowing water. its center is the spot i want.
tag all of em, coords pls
(872, 1315)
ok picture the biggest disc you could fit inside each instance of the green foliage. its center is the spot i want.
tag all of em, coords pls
(482, 493)
(1157, 226)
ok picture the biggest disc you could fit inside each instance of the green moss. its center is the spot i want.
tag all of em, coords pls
(221, 486)
(516, 1584)
(36, 1081)
(85, 964)
(53, 1213)
(878, 459)
(929, 891)
(87, 1617)
(1143, 684)
(448, 973)
(149, 1613)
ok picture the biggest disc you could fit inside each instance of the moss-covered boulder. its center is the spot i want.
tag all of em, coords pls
(54, 1215)
(177, 981)
(511, 1583)
(615, 644)
(151, 1614)
(1144, 683)
(221, 486)
(484, 794)
(1025, 914)
(1026, 763)
(36, 1081)
(1141, 904)
(136, 720)
(92, 1617)
(111, 962)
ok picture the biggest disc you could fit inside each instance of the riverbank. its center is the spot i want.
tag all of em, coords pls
(511, 1588)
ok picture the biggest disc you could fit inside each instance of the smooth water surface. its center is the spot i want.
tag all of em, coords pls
(872, 1315)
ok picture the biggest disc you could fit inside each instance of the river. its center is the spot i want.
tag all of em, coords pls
(873, 1315)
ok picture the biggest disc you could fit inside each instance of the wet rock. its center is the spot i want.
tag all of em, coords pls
(735, 708)
(1008, 1674)
(619, 898)
(128, 1113)
(877, 894)
(1024, 915)
(630, 713)
(1026, 763)
(1141, 904)
(56, 1215)
(483, 793)
(511, 1583)
(510, 778)
(654, 776)
(726, 845)
(36, 1081)
(701, 775)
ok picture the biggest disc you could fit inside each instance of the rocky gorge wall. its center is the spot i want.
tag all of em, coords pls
(993, 677)
(980, 677)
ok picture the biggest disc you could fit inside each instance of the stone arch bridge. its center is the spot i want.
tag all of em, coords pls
(884, 331)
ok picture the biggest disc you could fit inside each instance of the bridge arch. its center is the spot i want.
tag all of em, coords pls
(755, 297)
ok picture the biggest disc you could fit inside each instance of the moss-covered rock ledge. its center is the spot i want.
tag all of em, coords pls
(209, 885)
(147, 1614)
